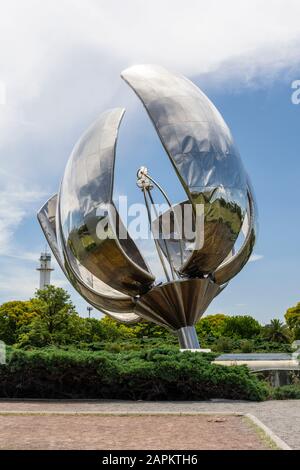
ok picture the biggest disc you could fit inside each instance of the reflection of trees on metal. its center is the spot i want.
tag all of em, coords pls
(110, 272)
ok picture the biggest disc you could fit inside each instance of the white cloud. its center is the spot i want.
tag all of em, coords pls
(2, 93)
(59, 57)
(16, 201)
(22, 255)
(255, 257)
(60, 62)
(17, 282)
(20, 282)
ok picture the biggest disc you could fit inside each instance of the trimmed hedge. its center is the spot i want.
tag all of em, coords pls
(286, 392)
(155, 374)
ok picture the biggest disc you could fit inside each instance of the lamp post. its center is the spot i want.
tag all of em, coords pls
(89, 309)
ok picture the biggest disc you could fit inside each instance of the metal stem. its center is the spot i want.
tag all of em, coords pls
(171, 207)
(165, 243)
(188, 338)
(155, 241)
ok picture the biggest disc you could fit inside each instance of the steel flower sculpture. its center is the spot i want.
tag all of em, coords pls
(108, 269)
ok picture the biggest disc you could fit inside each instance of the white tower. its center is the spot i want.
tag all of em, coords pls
(45, 269)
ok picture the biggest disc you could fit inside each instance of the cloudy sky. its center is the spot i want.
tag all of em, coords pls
(60, 63)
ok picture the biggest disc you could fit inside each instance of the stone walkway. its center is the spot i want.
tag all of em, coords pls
(281, 416)
(131, 432)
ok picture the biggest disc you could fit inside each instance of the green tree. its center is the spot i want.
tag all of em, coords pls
(224, 344)
(151, 330)
(292, 318)
(111, 330)
(14, 315)
(56, 306)
(35, 334)
(241, 327)
(56, 323)
(211, 327)
(277, 332)
(94, 330)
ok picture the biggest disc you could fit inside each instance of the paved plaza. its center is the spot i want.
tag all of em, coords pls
(280, 416)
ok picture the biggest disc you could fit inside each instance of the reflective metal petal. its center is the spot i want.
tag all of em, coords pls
(94, 291)
(232, 266)
(201, 149)
(47, 219)
(87, 218)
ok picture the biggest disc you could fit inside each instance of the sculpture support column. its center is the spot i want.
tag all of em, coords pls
(188, 338)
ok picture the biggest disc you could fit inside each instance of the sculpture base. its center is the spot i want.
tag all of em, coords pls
(188, 338)
(196, 350)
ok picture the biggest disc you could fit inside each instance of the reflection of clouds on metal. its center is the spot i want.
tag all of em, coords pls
(109, 270)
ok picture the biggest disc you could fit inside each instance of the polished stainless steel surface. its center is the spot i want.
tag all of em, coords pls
(202, 151)
(47, 219)
(170, 230)
(178, 303)
(96, 292)
(188, 338)
(85, 200)
(234, 263)
(106, 267)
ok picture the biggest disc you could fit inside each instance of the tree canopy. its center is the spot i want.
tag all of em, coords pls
(292, 318)
(50, 318)
(277, 331)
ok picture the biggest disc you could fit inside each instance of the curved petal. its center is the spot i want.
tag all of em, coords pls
(93, 290)
(88, 222)
(201, 149)
(123, 317)
(234, 264)
(120, 310)
(46, 217)
(177, 304)
(115, 309)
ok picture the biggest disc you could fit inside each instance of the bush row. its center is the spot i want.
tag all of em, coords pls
(286, 392)
(221, 345)
(154, 374)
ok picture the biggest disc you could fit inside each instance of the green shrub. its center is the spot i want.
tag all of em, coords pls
(224, 345)
(286, 392)
(246, 346)
(150, 374)
(119, 347)
(241, 326)
(210, 327)
(292, 318)
(256, 345)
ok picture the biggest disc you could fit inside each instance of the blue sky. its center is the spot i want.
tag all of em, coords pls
(60, 67)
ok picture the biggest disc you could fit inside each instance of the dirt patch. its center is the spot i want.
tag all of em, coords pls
(127, 432)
